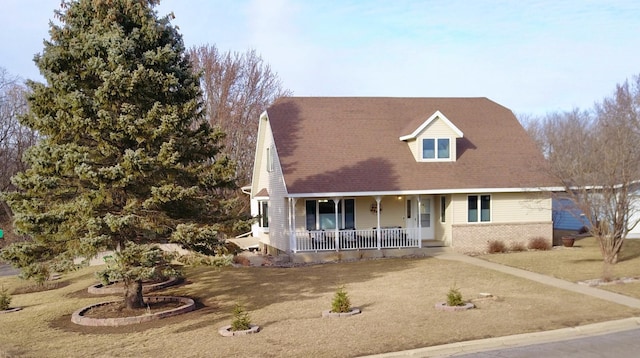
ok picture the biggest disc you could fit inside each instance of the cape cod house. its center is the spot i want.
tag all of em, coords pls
(361, 174)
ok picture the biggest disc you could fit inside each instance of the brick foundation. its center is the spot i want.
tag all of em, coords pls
(474, 239)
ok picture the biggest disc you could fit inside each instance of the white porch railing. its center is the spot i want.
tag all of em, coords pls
(325, 240)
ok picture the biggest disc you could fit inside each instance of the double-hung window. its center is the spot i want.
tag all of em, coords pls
(479, 208)
(436, 148)
(263, 212)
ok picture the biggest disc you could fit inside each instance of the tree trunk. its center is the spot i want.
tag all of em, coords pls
(611, 258)
(610, 248)
(133, 294)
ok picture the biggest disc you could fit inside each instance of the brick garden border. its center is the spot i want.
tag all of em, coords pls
(329, 313)
(9, 310)
(442, 306)
(226, 331)
(188, 305)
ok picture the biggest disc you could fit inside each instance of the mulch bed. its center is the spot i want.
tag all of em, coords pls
(117, 309)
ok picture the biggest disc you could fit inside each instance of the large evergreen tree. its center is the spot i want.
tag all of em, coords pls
(127, 158)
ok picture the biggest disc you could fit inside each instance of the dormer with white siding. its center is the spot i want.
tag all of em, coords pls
(434, 140)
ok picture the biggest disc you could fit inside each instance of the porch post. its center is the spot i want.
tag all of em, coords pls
(336, 201)
(292, 224)
(378, 199)
(419, 222)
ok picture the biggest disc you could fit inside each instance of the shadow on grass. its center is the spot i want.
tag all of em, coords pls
(584, 260)
(258, 287)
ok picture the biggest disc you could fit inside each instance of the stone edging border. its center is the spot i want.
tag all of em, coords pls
(443, 307)
(329, 313)
(100, 289)
(226, 331)
(9, 310)
(188, 305)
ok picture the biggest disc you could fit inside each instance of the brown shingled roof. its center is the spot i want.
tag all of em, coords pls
(351, 144)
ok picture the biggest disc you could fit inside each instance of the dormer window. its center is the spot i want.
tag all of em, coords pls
(434, 140)
(436, 148)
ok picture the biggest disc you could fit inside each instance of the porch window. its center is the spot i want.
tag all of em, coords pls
(443, 208)
(433, 148)
(484, 203)
(321, 214)
(263, 211)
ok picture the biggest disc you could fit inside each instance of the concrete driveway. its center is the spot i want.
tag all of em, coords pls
(7, 270)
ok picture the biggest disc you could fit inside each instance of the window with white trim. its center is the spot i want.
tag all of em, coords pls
(263, 213)
(321, 214)
(479, 208)
(436, 148)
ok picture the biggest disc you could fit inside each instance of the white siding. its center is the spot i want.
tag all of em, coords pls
(264, 142)
(273, 181)
(278, 208)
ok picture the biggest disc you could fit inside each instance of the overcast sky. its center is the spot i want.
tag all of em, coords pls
(530, 56)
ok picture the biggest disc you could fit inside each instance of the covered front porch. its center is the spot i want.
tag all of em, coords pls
(364, 223)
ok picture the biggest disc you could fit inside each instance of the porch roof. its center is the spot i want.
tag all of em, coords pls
(351, 145)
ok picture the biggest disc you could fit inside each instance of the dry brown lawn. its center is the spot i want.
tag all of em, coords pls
(579, 263)
(397, 298)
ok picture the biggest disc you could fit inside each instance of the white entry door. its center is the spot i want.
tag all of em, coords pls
(419, 214)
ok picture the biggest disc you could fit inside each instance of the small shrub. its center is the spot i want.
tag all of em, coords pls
(517, 247)
(496, 246)
(198, 259)
(5, 299)
(241, 260)
(539, 243)
(454, 297)
(340, 303)
(241, 320)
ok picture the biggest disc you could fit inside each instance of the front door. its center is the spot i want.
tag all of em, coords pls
(419, 214)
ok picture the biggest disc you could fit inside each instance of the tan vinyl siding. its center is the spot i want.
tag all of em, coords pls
(520, 207)
(443, 229)
(436, 129)
(507, 207)
(414, 148)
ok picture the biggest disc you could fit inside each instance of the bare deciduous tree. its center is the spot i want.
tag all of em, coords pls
(595, 156)
(237, 87)
(14, 137)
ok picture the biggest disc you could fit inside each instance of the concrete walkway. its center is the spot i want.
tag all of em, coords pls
(519, 340)
(544, 279)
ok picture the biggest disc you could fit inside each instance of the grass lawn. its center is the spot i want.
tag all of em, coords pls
(397, 297)
(578, 263)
